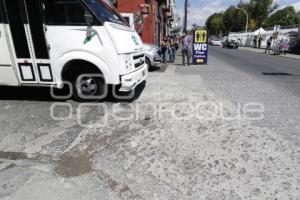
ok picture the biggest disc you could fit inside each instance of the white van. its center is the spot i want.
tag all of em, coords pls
(51, 42)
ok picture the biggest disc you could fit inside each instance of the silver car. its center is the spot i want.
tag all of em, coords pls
(152, 54)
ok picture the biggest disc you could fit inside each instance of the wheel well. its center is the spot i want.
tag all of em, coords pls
(147, 59)
(78, 66)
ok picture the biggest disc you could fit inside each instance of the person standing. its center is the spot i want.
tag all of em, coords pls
(259, 42)
(172, 50)
(163, 47)
(186, 42)
(168, 45)
(269, 42)
(176, 42)
(255, 41)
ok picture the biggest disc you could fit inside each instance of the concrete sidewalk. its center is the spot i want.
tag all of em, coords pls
(293, 56)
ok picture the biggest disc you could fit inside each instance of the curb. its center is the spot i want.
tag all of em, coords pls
(295, 57)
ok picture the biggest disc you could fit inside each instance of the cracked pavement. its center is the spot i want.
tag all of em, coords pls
(165, 145)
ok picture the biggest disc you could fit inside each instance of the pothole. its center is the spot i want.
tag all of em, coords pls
(74, 165)
(78, 161)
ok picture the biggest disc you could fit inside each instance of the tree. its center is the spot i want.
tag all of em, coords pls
(283, 17)
(260, 10)
(214, 24)
(298, 15)
(234, 20)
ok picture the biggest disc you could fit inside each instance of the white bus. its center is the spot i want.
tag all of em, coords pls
(82, 42)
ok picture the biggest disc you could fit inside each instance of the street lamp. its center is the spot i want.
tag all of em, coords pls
(245, 11)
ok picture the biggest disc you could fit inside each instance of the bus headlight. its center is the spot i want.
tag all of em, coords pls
(128, 64)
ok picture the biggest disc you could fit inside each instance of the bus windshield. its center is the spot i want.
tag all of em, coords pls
(105, 11)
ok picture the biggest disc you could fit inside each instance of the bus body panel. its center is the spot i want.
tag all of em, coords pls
(90, 44)
(116, 50)
(58, 66)
(7, 73)
(126, 40)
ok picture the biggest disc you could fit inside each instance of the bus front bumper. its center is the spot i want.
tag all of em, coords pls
(133, 79)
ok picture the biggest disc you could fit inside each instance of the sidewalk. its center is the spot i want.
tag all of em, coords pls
(293, 56)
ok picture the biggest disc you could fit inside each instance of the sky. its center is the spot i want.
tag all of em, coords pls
(200, 10)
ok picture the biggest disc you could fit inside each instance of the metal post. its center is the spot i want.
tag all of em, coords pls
(247, 21)
(185, 15)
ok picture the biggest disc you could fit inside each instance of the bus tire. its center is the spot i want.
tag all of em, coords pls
(88, 88)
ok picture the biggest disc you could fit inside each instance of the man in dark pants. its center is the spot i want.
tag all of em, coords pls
(269, 42)
(259, 42)
(163, 48)
(255, 42)
(186, 42)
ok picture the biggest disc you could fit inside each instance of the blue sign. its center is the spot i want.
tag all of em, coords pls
(200, 47)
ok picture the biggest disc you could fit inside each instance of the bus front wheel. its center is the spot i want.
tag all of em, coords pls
(88, 86)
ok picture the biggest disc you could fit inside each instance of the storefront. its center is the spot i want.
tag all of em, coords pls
(148, 17)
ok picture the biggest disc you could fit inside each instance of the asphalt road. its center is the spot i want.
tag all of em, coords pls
(243, 76)
(163, 145)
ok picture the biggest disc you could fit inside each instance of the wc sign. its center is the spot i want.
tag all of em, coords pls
(200, 47)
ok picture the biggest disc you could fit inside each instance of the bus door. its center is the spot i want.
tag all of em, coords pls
(7, 71)
(28, 40)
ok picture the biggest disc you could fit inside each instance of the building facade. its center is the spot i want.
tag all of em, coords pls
(152, 19)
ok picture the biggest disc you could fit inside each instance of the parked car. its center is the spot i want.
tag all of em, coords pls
(216, 42)
(152, 54)
(230, 43)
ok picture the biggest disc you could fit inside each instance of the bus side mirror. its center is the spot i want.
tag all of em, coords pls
(88, 18)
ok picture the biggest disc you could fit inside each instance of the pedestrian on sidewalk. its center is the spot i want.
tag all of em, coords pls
(255, 41)
(186, 42)
(269, 42)
(172, 50)
(176, 42)
(168, 44)
(163, 48)
(259, 42)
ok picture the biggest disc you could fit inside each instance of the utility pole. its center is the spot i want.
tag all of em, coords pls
(247, 17)
(185, 15)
